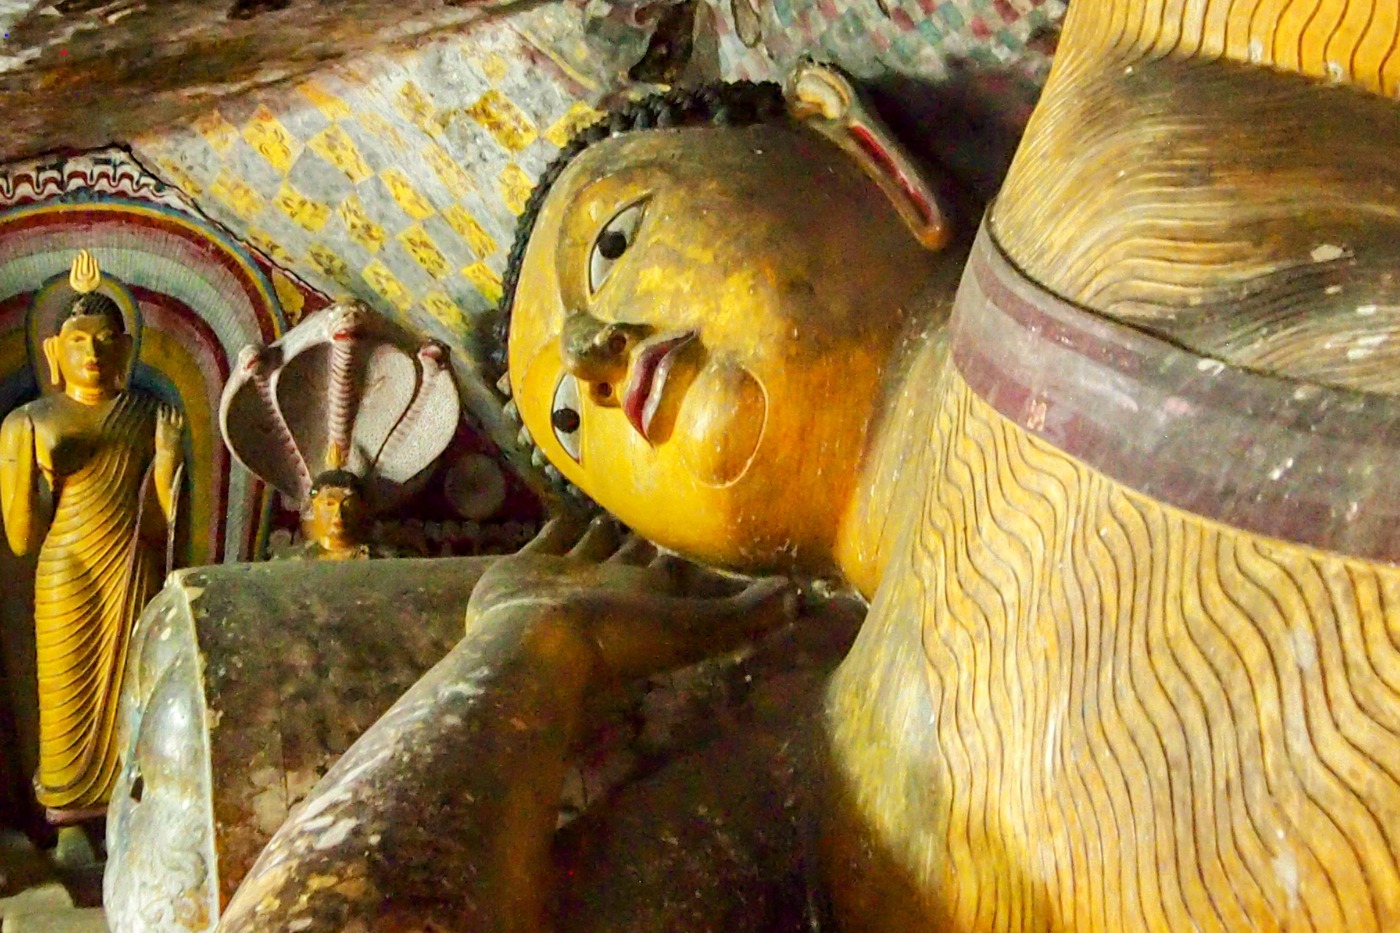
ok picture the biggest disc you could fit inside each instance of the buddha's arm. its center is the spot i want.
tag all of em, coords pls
(19, 484)
(169, 456)
(446, 807)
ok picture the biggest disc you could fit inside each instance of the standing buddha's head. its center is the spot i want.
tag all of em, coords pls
(91, 353)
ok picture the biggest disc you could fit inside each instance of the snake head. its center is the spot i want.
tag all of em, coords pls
(258, 361)
(347, 320)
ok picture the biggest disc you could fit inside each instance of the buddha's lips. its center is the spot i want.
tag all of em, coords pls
(648, 383)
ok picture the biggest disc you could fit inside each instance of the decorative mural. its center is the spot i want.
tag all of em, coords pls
(397, 182)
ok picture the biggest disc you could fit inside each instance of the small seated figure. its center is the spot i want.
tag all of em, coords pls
(334, 521)
(1125, 512)
(343, 415)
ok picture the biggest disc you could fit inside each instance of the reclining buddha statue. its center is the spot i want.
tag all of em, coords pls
(1124, 512)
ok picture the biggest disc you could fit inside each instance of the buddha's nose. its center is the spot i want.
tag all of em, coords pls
(598, 352)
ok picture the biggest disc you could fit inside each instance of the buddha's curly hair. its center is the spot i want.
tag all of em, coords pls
(334, 479)
(731, 104)
(95, 304)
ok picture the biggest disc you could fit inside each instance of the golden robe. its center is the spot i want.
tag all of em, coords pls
(94, 576)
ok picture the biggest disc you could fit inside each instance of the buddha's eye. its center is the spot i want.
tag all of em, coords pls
(565, 417)
(613, 240)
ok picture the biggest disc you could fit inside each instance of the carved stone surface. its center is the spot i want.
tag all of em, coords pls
(248, 681)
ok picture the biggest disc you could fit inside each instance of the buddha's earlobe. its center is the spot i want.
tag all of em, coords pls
(51, 355)
(823, 99)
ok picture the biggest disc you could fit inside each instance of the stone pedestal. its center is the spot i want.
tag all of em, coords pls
(244, 684)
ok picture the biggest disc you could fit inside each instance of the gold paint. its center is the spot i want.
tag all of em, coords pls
(456, 181)
(339, 150)
(1350, 41)
(425, 252)
(84, 276)
(378, 126)
(730, 247)
(333, 524)
(268, 245)
(408, 198)
(174, 173)
(387, 285)
(1174, 724)
(308, 214)
(447, 312)
(578, 117)
(234, 194)
(108, 459)
(266, 134)
(1071, 707)
(329, 104)
(362, 230)
(481, 242)
(418, 108)
(289, 296)
(330, 264)
(217, 132)
(1239, 156)
(515, 187)
(494, 67)
(506, 123)
(484, 279)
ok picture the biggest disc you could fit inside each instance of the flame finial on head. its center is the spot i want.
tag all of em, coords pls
(85, 276)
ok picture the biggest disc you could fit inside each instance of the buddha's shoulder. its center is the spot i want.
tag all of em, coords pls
(38, 412)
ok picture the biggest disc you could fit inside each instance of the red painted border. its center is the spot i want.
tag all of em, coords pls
(1291, 460)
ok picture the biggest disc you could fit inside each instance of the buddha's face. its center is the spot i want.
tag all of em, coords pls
(701, 332)
(90, 353)
(334, 518)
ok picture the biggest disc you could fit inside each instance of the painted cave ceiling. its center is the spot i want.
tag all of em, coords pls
(384, 149)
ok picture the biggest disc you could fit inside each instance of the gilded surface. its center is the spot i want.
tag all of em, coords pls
(105, 459)
(1135, 719)
(1245, 213)
(94, 575)
(1071, 706)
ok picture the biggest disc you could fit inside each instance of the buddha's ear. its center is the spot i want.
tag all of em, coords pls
(51, 355)
(823, 99)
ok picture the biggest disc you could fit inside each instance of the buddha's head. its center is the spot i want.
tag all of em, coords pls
(89, 355)
(704, 298)
(335, 515)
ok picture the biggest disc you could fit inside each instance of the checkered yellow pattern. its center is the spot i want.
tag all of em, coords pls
(393, 183)
(399, 179)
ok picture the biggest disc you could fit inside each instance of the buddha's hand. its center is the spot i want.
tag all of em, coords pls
(170, 426)
(642, 612)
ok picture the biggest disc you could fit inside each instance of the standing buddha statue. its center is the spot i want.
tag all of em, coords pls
(89, 477)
